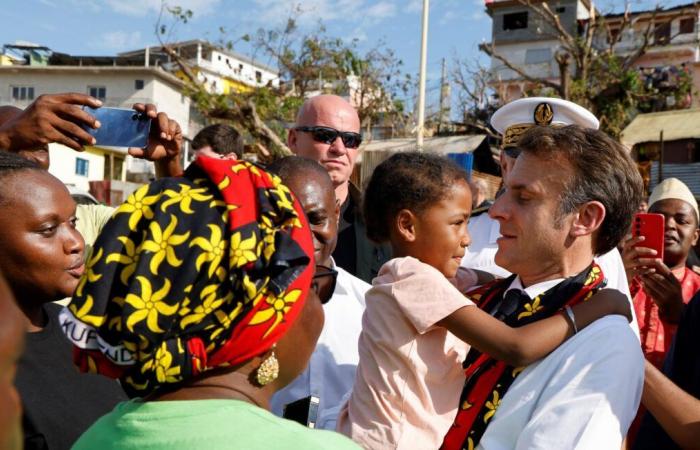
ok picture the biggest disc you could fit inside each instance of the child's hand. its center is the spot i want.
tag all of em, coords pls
(603, 303)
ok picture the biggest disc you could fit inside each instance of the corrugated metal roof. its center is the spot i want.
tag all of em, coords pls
(375, 152)
(688, 173)
(676, 125)
(444, 144)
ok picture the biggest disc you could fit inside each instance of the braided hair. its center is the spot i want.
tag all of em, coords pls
(408, 180)
(12, 162)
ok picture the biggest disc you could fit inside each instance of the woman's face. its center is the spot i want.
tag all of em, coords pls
(294, 349)
(41, 252)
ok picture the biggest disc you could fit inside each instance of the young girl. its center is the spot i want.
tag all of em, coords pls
(417, 326)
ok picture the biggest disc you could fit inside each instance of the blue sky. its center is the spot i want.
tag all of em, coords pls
(105, 27)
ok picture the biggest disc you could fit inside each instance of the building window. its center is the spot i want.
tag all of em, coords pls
(687, 25)
(99, 92)
(538, 56)
(258, 76)
(662, 33)
(82, 166)
(515, 21)
(138, 84)
(22, 93)
(560, 9)
(219, 57)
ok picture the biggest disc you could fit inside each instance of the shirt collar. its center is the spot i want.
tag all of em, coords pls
(536, 289)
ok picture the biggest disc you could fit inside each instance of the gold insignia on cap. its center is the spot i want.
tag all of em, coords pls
(543, 114)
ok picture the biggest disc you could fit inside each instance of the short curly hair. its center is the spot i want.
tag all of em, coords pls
(602, 171)
(408, 180)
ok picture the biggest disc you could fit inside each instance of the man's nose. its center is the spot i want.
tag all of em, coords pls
(497, 210)
(338, 147)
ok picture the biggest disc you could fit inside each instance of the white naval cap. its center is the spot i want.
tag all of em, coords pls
(513, 119)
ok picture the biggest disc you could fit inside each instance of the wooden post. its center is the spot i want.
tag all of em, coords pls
(661, 157)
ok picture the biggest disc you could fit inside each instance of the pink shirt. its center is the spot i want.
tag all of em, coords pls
(410, 375)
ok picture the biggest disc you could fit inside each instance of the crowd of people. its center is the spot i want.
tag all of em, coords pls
(235, 305)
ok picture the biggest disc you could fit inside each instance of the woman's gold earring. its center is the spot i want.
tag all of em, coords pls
(269, 369)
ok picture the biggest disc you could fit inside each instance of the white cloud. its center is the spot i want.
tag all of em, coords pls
(381, 10)
(141, 8)
(415, 6)
(87, 5)
(275, 12)
(118, 40)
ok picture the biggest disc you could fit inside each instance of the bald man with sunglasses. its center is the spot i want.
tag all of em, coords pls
(327, 130)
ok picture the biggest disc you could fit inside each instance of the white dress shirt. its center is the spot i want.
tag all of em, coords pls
(583, 395)
(331, 371)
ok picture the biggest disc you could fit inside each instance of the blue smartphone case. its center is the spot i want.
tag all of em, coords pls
(119, 127)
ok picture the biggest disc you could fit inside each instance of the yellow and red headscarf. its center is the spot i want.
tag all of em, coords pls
(190, 274)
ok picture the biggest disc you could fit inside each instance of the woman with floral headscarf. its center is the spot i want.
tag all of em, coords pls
(197, 297)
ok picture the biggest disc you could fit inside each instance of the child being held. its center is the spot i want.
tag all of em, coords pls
(417, 326)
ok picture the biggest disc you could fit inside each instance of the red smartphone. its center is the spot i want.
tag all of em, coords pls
(651, 226)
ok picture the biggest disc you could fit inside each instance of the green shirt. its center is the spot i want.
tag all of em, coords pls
(91, 219)
(202, 424)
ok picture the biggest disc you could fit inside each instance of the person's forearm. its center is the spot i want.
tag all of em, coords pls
(516, 346)
(676, 411)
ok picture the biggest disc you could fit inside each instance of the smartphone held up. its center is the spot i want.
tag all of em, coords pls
(651, 226)
(119, 127)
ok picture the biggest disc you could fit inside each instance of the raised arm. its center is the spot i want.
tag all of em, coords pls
(680, 418)
(524, 345)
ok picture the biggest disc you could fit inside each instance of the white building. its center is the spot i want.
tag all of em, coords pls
(224, 71)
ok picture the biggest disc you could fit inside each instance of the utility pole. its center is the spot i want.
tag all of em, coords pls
(444, 98)
(421, 82)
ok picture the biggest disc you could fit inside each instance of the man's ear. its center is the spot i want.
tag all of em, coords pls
(589, 218)
(405, 223)
(292, 140)
(336, 211)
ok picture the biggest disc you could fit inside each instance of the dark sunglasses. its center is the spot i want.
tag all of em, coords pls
(329, 135)
(512, 152)
(323, 282)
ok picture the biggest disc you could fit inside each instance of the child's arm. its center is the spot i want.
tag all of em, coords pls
(524, 345)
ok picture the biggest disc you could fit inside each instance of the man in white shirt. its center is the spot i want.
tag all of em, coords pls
(570, 195)
(331, 370)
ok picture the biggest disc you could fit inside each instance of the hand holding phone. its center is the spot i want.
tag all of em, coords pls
(119, 127)
(651, 227)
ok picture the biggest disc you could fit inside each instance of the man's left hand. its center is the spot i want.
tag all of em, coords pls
(164, 142)
(664, 289)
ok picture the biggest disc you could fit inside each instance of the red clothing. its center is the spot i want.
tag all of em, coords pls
(655, 333)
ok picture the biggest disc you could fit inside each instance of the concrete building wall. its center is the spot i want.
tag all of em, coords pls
(536, 58)
(241, 70)
(536, 29)
(64, 162)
